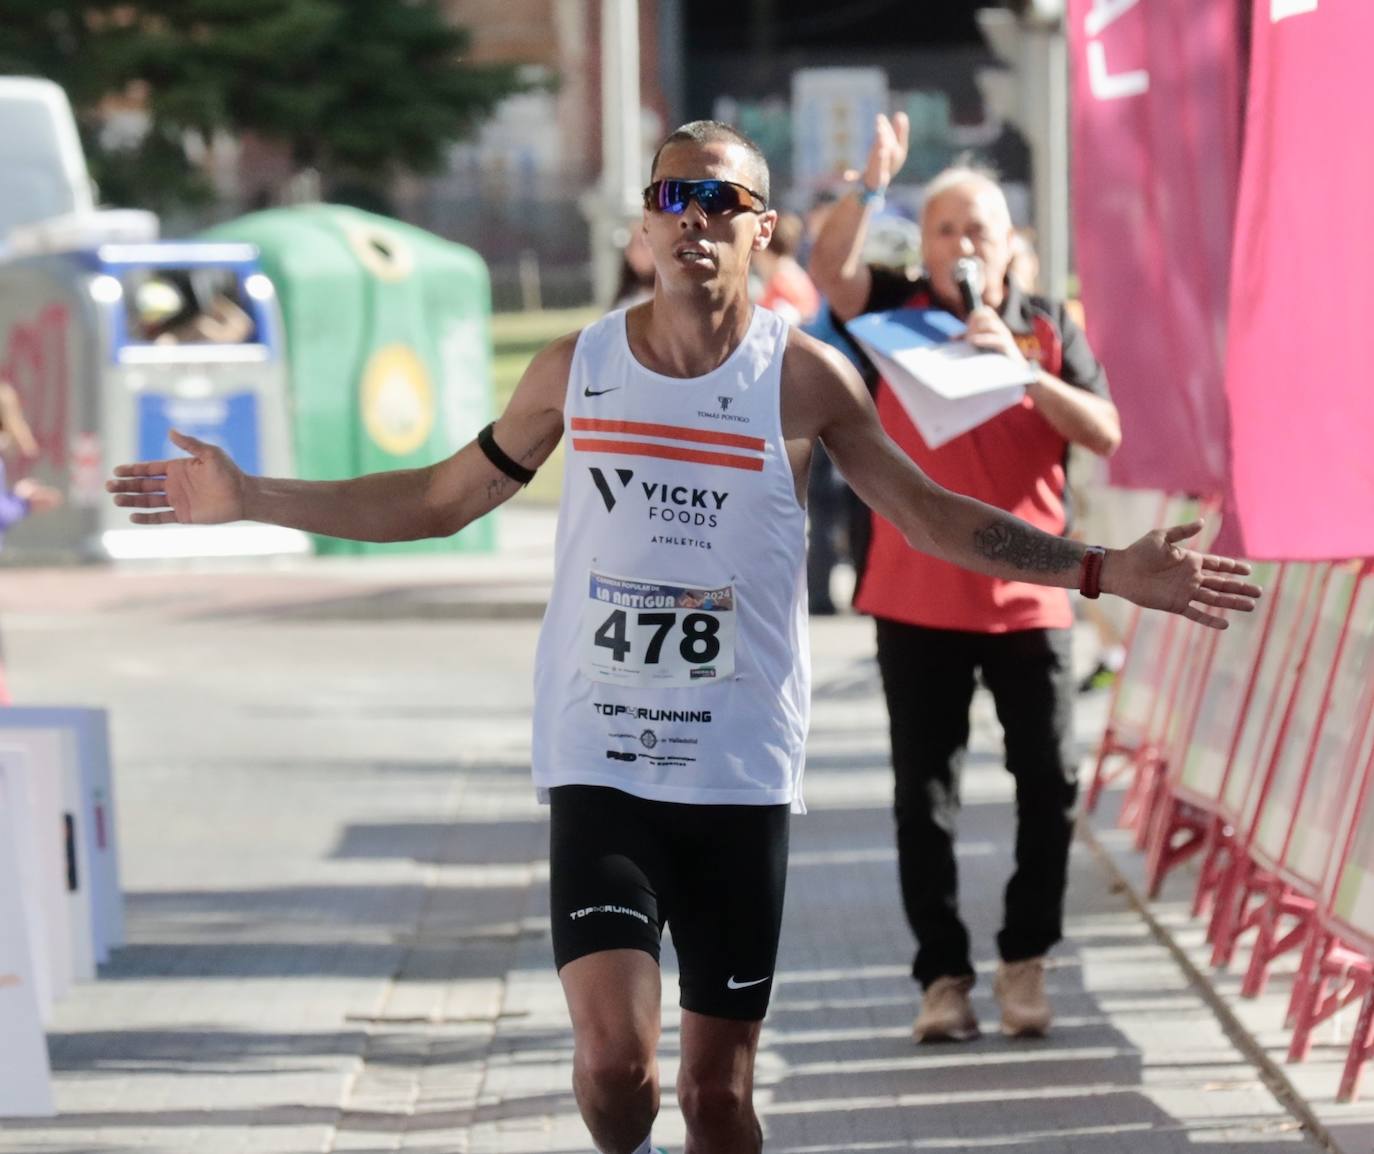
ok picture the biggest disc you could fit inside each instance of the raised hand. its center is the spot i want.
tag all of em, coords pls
(205, 488)
(1160, 573)
(888, 151)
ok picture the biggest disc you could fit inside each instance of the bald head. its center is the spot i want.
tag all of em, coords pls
(965, 214)
(977, 182)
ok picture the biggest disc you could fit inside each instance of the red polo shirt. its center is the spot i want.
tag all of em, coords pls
(1016, 461)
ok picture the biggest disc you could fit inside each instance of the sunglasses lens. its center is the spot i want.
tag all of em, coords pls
(707, 194)
(714, 196)
(669, 196)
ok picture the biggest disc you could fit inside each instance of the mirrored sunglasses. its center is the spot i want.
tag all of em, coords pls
(715, 197)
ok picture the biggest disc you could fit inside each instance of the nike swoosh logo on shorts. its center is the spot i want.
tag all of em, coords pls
(734, 985)
(587, 391)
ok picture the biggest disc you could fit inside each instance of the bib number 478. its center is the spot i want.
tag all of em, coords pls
(697, 644)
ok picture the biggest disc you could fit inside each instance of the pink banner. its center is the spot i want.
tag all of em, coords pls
(1299, 375)
(1156, 146)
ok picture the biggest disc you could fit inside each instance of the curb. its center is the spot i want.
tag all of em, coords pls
(391, 606)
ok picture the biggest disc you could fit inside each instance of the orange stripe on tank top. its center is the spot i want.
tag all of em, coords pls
(666, 452)
(668, 432)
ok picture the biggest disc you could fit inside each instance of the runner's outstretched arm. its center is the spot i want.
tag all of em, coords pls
(207, 488)
(1156, 571)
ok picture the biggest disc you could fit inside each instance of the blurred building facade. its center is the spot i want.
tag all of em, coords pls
(520, 191)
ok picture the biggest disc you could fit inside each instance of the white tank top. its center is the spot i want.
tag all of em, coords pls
(674, 660)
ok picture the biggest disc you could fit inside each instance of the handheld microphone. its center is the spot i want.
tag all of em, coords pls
(968, 279)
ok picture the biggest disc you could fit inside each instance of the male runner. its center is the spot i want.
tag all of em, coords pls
(672, 681)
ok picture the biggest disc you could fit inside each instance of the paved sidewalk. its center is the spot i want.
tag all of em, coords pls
(338, 923)
(510, 582)
(1258, 1022)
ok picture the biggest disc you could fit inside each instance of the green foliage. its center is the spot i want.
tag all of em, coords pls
(358, 89)
(155, 174)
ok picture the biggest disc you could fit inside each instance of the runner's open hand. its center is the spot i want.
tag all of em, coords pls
(205, 488)
(1160, 573)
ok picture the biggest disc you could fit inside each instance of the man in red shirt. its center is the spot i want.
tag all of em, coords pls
(939, 627)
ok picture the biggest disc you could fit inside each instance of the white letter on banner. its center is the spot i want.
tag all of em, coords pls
(1282, 9)
(1104, 85)
(1105, 13)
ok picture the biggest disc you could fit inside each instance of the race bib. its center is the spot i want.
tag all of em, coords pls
(656, 634)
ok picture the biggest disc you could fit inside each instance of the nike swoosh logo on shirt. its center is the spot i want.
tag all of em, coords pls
(734, 985)
(590, 392)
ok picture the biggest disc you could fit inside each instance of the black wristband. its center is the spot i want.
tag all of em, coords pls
(486, 441)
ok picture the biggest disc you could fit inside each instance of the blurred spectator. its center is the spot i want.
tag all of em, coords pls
(786, 287)
(840, 524)
(814, 221)
(28, 496)
(837, 521)
(636, 271)
(827, 501)
(16, 438)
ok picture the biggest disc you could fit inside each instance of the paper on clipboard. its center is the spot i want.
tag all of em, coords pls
(946, 386)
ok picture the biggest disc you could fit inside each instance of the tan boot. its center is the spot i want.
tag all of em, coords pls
(946, 1015)
(1020, 989)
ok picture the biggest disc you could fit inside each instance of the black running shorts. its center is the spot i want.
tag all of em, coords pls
(622, 867)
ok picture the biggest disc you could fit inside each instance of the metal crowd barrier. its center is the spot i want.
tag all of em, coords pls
(1257, 759)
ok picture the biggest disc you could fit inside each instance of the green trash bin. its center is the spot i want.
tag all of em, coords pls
(388, 346)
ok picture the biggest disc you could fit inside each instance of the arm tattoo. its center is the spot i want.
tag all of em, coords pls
(534, 449)
(498, 487)
(1026, 548)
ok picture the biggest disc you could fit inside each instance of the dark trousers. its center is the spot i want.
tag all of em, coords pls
(928, 679)
(825, 511)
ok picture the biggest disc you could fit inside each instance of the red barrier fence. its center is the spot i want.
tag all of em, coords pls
(1254, 748)
(1140, 696)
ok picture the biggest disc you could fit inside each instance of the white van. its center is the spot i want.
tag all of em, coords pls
(42, 167)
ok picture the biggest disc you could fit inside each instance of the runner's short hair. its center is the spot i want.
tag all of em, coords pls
(717, 132)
